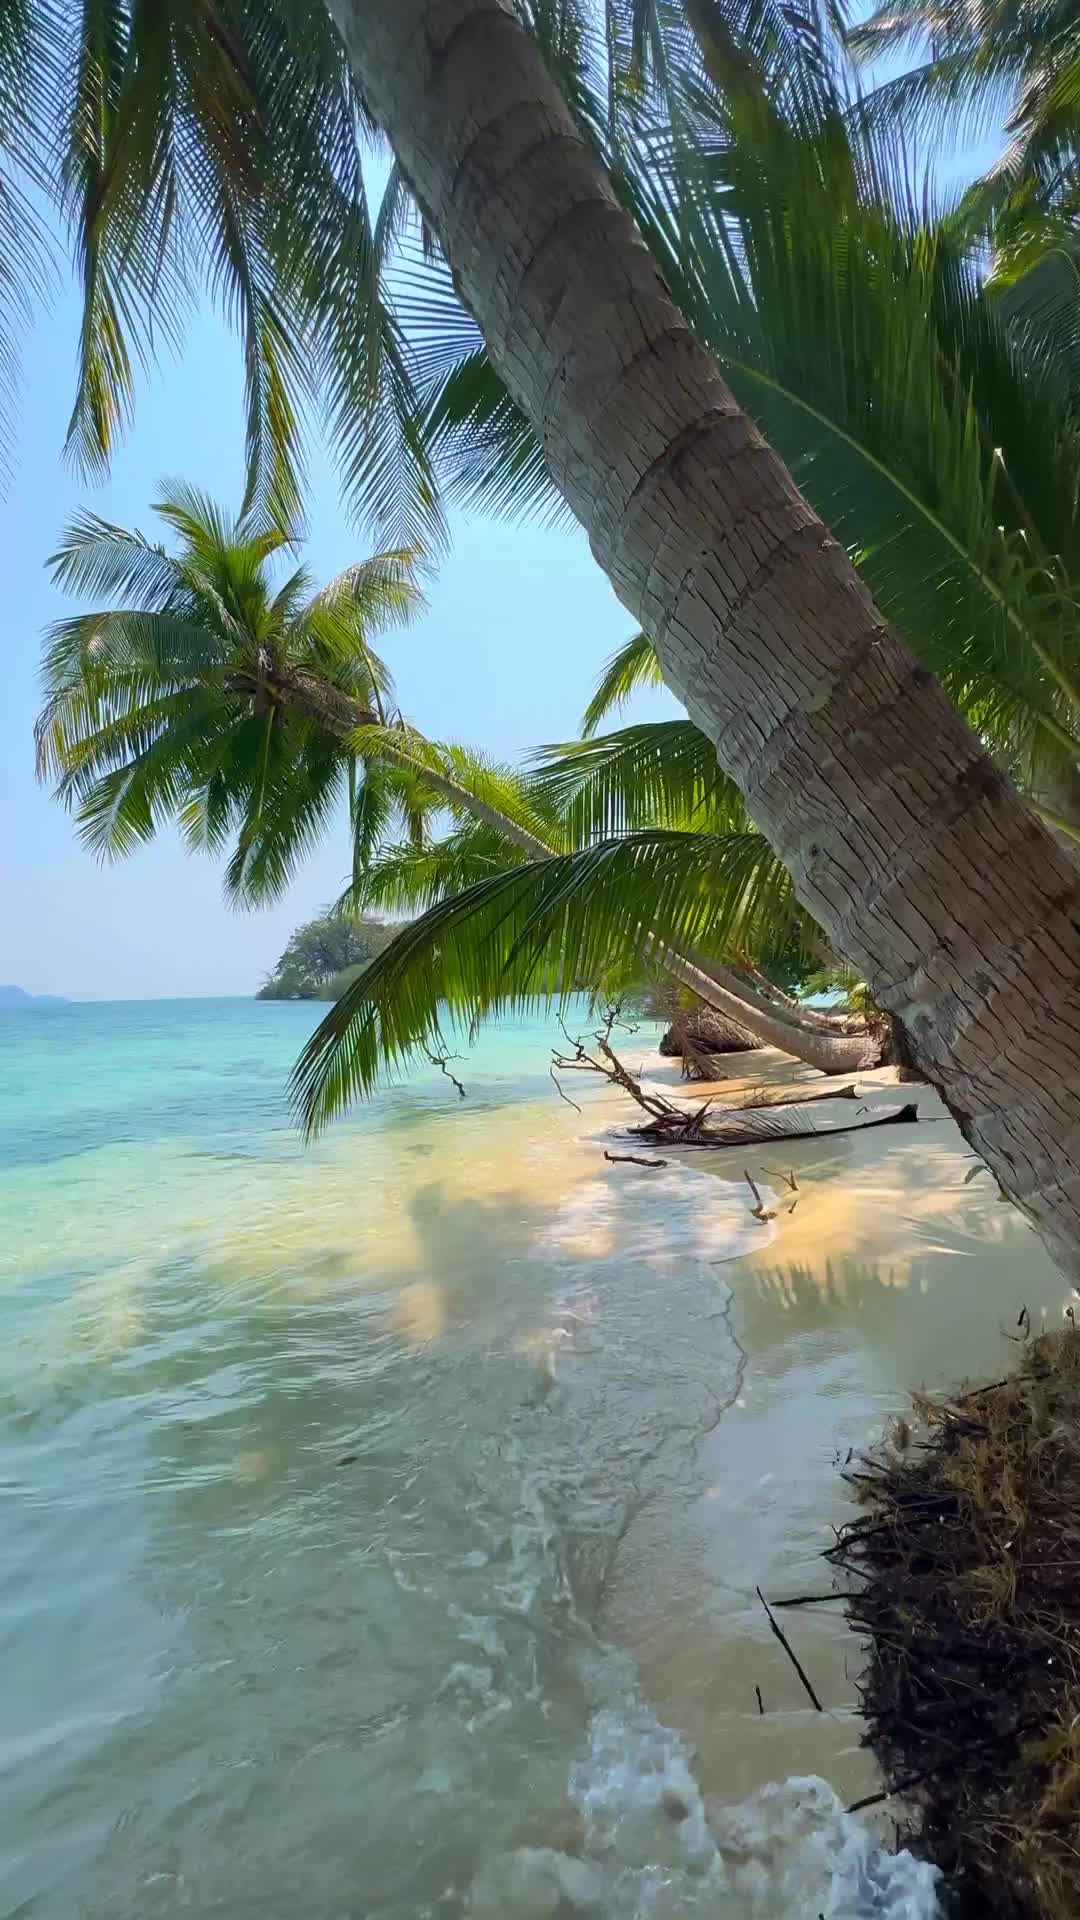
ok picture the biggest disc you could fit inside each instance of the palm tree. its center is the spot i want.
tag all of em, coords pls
(903, 839)
(652, 869)
(214, 695)
(210, 149)
(937, 438)
(243, 709)
(1015, 62)
(249, 711)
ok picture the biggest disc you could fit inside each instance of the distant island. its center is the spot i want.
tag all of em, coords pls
(18, 997)
(324, 956)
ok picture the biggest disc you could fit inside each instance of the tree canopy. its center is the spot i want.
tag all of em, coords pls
(323, 956)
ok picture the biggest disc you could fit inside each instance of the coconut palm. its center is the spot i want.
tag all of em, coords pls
(243, 707)
(936, 437)
(250, 710)
(210, 149)
(216, 695)
(1012, 64)
(915, 855)
(984, 64)
(651, 868)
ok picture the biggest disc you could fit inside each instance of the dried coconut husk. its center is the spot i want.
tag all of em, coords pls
(965, 1566)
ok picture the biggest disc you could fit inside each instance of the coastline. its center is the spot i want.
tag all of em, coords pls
(604, 1403)
(896, 1273)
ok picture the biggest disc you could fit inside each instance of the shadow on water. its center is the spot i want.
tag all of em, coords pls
(271, 1513)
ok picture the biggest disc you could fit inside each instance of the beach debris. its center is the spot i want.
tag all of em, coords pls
(561, 1090)
(632, 1160)
(801, 1094)
(442, 1061)
(760, 1701)
(741, 1127)
(788, 1177)
(963, 1565)
(703, 1126)
(778, 1630)
(702, 1038)
(807, 1599)
(759, 1210)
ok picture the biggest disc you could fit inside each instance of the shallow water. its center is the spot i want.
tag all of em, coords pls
(382, 1522)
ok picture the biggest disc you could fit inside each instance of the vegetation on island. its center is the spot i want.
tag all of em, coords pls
(324, 956)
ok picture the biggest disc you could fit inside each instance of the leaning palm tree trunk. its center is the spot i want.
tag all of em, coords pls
(910, 849)
(717, 986)
(830, 1052)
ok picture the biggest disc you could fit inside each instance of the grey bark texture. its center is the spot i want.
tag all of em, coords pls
(914, 853)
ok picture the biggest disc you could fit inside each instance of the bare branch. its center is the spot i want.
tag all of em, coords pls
(559, 1090)
(440, 1060)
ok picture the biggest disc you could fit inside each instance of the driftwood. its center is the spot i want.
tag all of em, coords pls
(674, 1126)
(632, 1160)
(780, 1635)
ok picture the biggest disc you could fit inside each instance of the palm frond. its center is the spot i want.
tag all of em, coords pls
(633, 667)
(468, 783)
(381, 591)
(412, 877)
(661, 772)
(217, 699)
(532, 934)
(96, 558)
(289, 811)
(882, 375)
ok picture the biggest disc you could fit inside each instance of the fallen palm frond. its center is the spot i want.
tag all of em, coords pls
(750, 1127)
(964, 1564)
(797, 1096)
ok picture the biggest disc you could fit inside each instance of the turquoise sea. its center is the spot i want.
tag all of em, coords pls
(329, 1477)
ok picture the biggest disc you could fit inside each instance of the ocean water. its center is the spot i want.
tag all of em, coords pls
(323, 1471)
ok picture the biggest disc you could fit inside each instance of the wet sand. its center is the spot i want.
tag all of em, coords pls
(893, 1273)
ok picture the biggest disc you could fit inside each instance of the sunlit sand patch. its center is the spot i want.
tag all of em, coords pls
(659, 1217)
(420, 1315)
(110, 1320)
(251, 1464)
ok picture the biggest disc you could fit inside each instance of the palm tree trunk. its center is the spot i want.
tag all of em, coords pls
(792, 1014)
(829, 1021)
(829, 1052)
(342, 716)
(902, 838)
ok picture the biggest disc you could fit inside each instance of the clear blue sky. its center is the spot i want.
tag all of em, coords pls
(520, 621)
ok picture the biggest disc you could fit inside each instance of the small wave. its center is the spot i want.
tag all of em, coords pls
(654, 1850)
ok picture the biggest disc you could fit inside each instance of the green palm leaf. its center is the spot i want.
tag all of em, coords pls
(526, 936)
(633, 668)
(659, 771)
(913, 415)
(218, 697)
